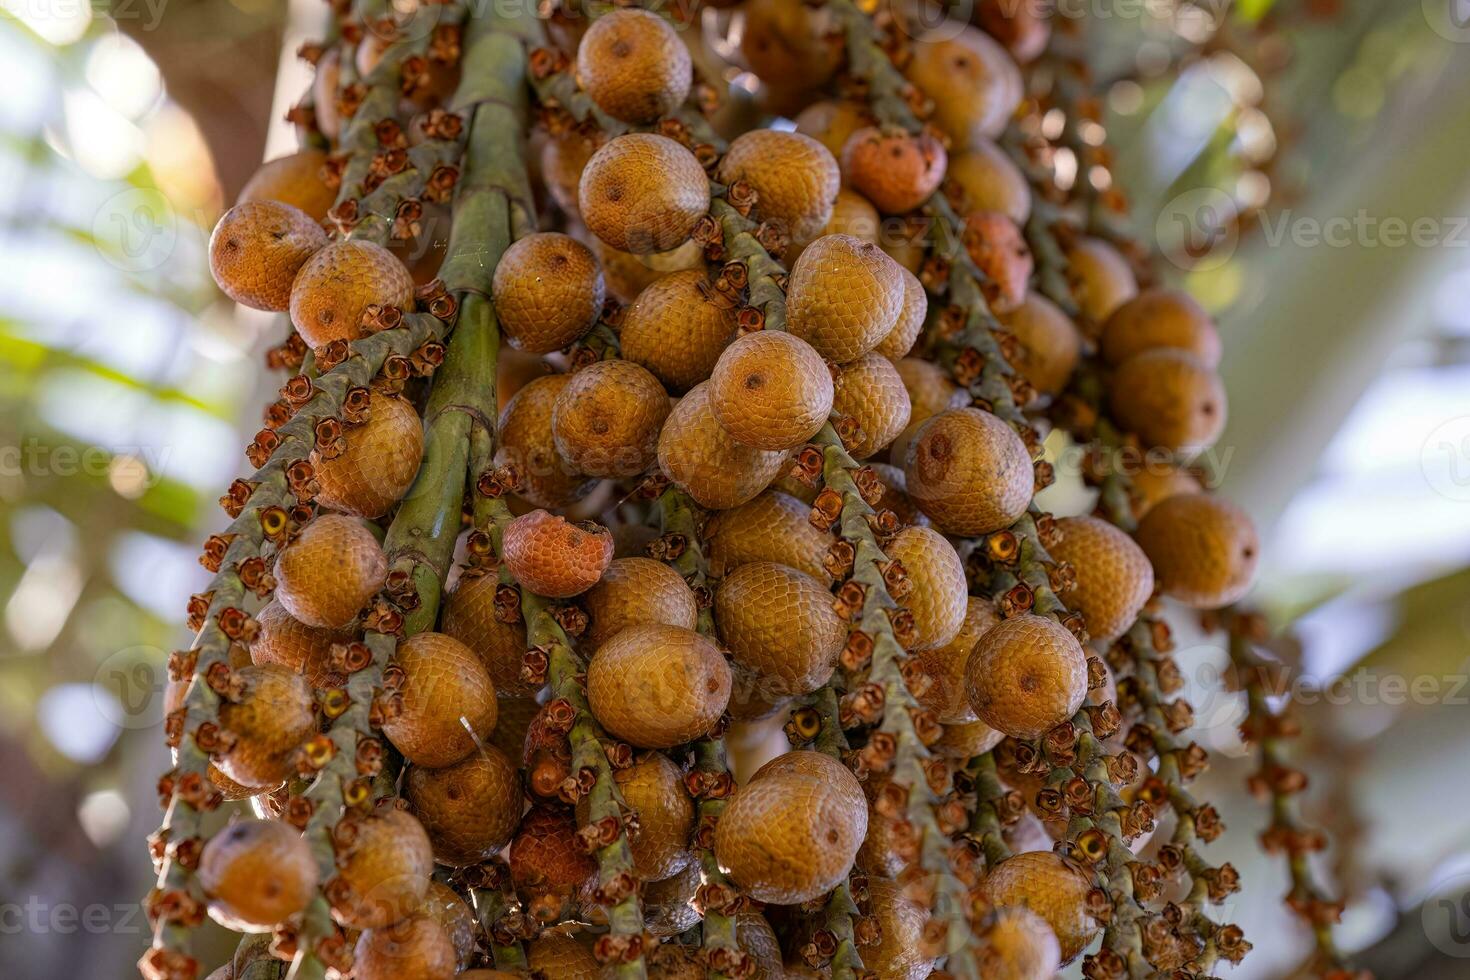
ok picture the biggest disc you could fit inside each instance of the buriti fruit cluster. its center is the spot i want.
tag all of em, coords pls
(619, 419)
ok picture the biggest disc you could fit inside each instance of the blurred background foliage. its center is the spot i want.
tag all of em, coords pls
(128, 387)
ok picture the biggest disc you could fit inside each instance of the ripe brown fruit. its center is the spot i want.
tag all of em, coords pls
(471, 809)
(974, 83)
(831, 122)
(527, 444)
(1169, 399)
(930, 389)
(285, 641)
(699, 455)
(1027, 675)
(895, 169)
(257, 248)
(378, 462)
(1160, 318)
(898, 954)
(771, 390)
(553, 557)
(548, 291)
(1051, 886)
(643, 193)
(294, 179)
(330, 571)
(756, 939)
(633, 66)
(792, 45)
(677, 328)
(1157, 481)
(789, 836)
(1020, 946)
(1203, 548)
(265, 723)
(415, 948)
(606, 421)
(938, 595)
(444, 905)
(843, 297)
(1048, 343)
(1101, 281)
(563, 158)
(324, 94)
(795, 179)
(970, 472)
(1114, 578)
(337, 285)
(873, 403)
(554, 954)
(966, 740)
(653, 789)
(257, 874)
(469, 617)
(772, 527)
(780, 625)
(637, 592)
(383, 869)
(549, 866)
(627, 274)
(905, 332)
(668, 904)
(448, 701)
(995, 244)
(658, 686)
(944, 666)
(984, 178)
(825, 767)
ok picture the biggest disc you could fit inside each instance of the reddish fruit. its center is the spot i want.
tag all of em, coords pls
(555, 558)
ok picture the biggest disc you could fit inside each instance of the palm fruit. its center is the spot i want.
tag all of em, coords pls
(696, 453)
(1160, 318)
(895, 169)
(969, 471)
(548, 291)
(831, 122)
(852, 214)
(1022, 28)
(910, 319)
(1156, 482)
(895, 495)
(286, 642)
(789, 836)
(555, 954)
(795, 46)
(633, 66)
(337, 285)
(563, 157)
(899, 952)
(257, 874)
(1114, 578)
(938, 593)
(1169, 399)
(881, 853)
(780, 625)
(843, 297)
(870, 397)
(658, 686)
(643, 193)
(930, 392)
(330, 571)
(448, 701)
(770, 390)
(549, 866)
(1053, 887)
(668, 904)
(973, 82)
(637, 592)
(607, 420)
(294, 179)
(415, 948)
(653, 789)
(383, 868)
(627, 274)
(324, 86)
(444, 905)
(553, 557)
(1048, 343)
(526, 443)
(794, 177)
(820, 764)
(995, 244)
(257, 248)
(966, 740)
(1203, 548)
(757, 940)
(984, 178)
(469, 617)
(470, 809)
(264, 722)
(677, 328)
(944, 666)
(377, 463)
(1101, 281)
(1020, 946)
(773, 527)
(1027, 675)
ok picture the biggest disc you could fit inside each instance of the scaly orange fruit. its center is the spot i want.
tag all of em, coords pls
(843, 297)
(1051, 886)
(830, 122)
(469, 809)
(548, 291)
(554, 954)
(1160, 318)
(1203, 548)
(944, 666)
(899, 952)
(780, 626)
(795, 179)
(643, 193)
(1027, 675)
(1158, 481)
(677, 328)
(469, 617)
(335, 287)
(285, 641)
(795, 46)
(633, 66)
(444, 905)
(1170, 400)
(1101, 281)
(771, 390)
(975, 85)
(1020, 946)
(1024, 30)
(257, 874)
(257, 248)
(329, 572)
(995, 244)
(1114, 578)
(699, 455)
(895, 169)
(653, 789)
(553, 557)
(526, 443)
(969, 471)
(658, 686)
(294, 179)
(910, 319)
(772, 527)
(1048, 343)
(265, 722)
(937, 598)
(414, 948)
(606, 421)
(872, 403)
(984, 178)
(448, 701)
(637, 592)
(377, 463)
(383, 867)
